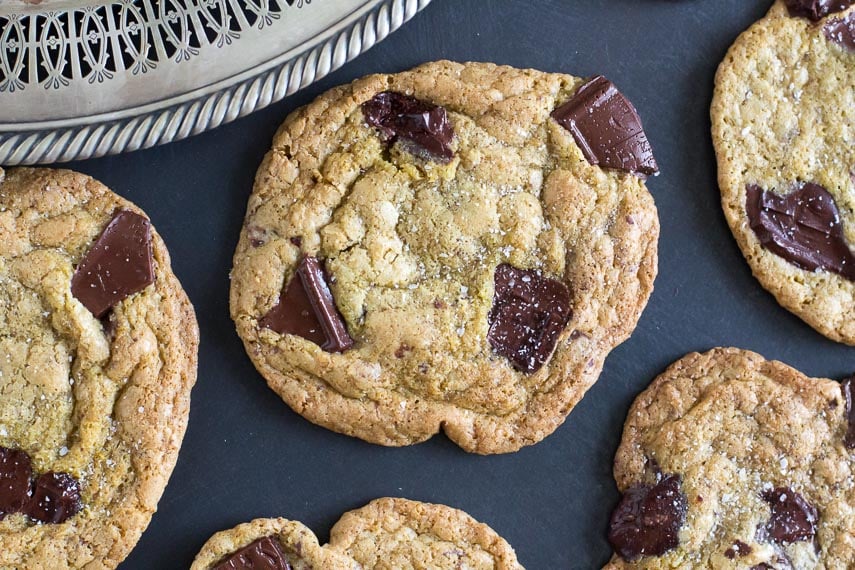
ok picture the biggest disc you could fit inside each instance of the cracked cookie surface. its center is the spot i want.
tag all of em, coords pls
(783, 116)
(386, 534)
(411, 245)
(765, 460)
(105, 402)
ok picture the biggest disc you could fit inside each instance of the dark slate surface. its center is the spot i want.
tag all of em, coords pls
(247, 455)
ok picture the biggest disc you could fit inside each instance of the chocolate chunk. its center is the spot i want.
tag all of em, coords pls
(648, 518)
(803, 227)
(738, 549)
(781, 562)
(263, 554)
(56, 498)
(816, 9)
(607, 128)
(848, 387)
(117, 265)
(306, 308)
(529, 312)
(841, 31)
(16, 471)
(422, 126)
(793, 519)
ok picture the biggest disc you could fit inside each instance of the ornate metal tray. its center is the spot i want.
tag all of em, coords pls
(80, 79)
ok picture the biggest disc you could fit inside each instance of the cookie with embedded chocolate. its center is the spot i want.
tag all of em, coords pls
(729, 460)
(457, 247)
(385, 534)
(782, 126)
(100, 346)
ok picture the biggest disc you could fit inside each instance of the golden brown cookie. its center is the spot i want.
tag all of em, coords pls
(729, 460)
(783, 119)
(457, 247)
(99, 347)
(386, 534)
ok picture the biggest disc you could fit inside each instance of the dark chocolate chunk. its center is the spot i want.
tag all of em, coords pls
(793, 519)
(848, 387)
(263, 554)
(648, 518)
(422, 126)
(529, 312)
(607, 128)
(738, 549)
(117, 265)
(306, 308)
(816, 9)
(781, 562)
(803, 227)
(841, 31)
(56, 498)
(16, 471)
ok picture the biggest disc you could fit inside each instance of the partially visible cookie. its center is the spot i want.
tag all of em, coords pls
(386, 534)
(729, 460)
(98, 349)
(456, 247)
(783, 119)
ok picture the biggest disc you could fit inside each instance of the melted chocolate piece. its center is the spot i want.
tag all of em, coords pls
(803, 227)
(529, 312)
(739, 548)
(306, 308)
(117, 265)
(424, 127)
(816, 9)
(848, 387)
(648, 518)
(263, 554)
(607, 128)
(841, 31)
(16, 471)
(56, 498)
(781, 562)
(793, 519)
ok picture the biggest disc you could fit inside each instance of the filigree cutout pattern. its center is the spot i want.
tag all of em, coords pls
(96, 43)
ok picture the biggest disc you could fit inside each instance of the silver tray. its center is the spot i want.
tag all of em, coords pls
(85, 79)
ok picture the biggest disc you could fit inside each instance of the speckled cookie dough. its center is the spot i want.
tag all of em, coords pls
(92, 410)
(386, 534)
(729, 460)
(411, 231)
(783, 120)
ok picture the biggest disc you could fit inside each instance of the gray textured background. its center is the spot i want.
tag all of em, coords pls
(247, 455)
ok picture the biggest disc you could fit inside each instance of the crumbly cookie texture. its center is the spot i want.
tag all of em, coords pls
(386, 534)
(761, 453)
(783, 114)
(105, 403)
(411, 247)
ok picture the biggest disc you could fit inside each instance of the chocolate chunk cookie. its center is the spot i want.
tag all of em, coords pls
(386, 534)
(457, 247)
(732, 461)
(99, 346)
(783, 119)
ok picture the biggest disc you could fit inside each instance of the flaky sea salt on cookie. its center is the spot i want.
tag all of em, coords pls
(99, 346)
(457, 247)
(386, 534)
(784, 131)
(729, 460)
